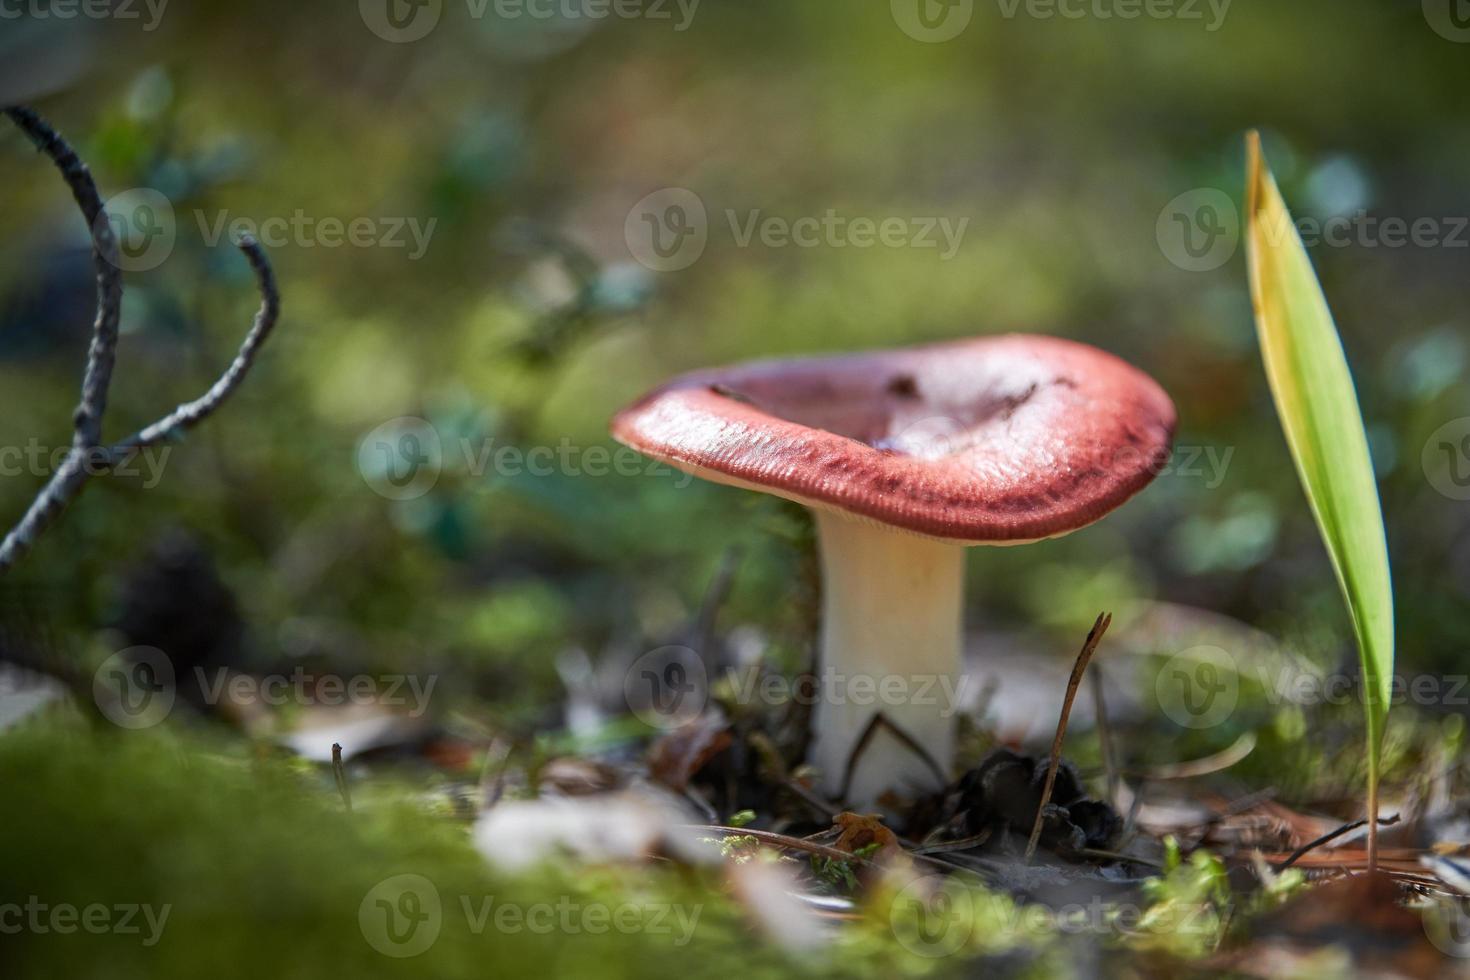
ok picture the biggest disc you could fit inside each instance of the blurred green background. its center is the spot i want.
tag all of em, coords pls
(1096, 165)
(527, 141)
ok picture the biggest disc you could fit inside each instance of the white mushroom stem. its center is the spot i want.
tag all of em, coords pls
(890, 643)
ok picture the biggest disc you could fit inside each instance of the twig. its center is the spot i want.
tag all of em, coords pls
(1104, 735)
(866, 738)
(963, 844)
(103, 351)
(1224, 759)
(88, 455)
(190, 414)
(1097, 852)
(1373, 819)
(714, 597)
(492, 788)
(1236, 807)
(1297, 854)
(782, 840)
(1093, 636)
(340, 771)
(809, 798)
(811, 847)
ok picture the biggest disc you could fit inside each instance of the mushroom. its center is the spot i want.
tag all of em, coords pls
(906, 457)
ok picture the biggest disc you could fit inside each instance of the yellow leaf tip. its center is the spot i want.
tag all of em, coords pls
(1255, 170)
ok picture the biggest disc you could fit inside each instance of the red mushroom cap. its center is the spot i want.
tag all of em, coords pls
(994, 439)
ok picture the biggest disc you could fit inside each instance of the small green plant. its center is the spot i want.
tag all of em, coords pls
(1318, 407)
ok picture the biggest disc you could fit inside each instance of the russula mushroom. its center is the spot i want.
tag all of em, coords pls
(906, 457)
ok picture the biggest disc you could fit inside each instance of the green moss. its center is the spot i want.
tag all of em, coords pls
(251, 867)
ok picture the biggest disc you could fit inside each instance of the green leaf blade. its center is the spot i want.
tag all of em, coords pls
(1318, 406)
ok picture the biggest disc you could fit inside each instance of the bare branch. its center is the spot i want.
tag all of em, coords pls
(88, 455)
(190, 414)
(64, 485)
(1094, 636)
(103, 352)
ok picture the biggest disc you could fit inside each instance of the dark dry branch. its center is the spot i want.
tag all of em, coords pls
(1194, 768)
(492, 786)
(103, 351)
(774, 839)
(340, 772)
(718, 591)
(1102, 854)
(1093, 636)
(190, 414)
(880, 720)
(88, 454)
(1346, 828)
(963, 844)
(1105, 736)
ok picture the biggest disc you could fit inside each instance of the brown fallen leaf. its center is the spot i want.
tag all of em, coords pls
(1363, 916)
(571, 776)
(859, 831)
(676, 757)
